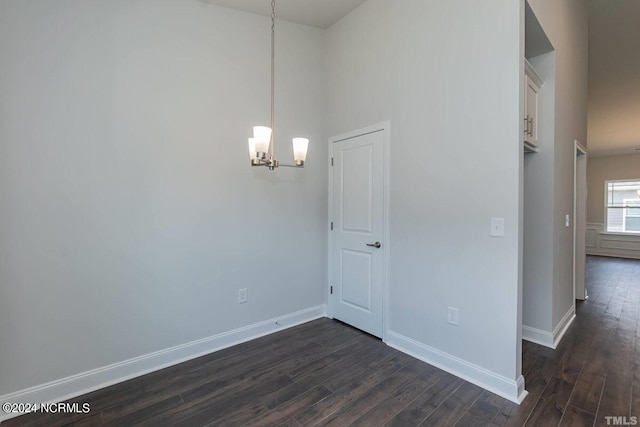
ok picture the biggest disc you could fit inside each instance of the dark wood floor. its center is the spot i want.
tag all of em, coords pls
(326, 373)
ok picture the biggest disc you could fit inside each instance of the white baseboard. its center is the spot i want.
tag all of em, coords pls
(537, 336)
(85, 382)
(550, 339)
(512, 390)
(563, 325)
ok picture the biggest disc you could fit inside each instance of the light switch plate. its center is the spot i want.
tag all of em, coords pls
(453, 315)
(243, 295)
(497, 227)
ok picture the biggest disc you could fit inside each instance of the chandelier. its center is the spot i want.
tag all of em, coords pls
(262, 145)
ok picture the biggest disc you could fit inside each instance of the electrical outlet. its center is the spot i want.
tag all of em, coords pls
(243, 295)
(453, 315)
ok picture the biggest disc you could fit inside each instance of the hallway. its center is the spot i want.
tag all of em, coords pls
(595, 371)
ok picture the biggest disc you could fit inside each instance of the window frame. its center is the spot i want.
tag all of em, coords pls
(626, 215)
(624, 209)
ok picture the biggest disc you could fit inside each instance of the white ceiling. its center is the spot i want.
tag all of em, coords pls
(614, 76)
(317, 13)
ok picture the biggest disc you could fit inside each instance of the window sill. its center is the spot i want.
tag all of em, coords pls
(619, 233)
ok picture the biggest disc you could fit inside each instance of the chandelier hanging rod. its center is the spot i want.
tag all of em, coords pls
(273, 76)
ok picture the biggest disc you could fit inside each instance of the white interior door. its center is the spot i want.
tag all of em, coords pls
(357, 246)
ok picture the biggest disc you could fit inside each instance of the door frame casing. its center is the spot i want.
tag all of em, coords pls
(578, 148)
(385, 128)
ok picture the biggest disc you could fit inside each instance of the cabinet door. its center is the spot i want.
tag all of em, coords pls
(531, 112)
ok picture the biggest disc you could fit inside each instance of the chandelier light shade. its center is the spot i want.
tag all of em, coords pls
(262, 145)
(262, 139)
(253, 155)
(300, 147)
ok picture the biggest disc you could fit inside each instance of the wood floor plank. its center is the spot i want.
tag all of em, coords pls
(509, 413)
(392, 405)
(380, 414)
(286, 411)
(600, 354)
(536, 381)
(94, 420)
(419, 385)
(574, 417)
(587, 392)
(271, 368)
(427, 402)
(358, 349)
(208, 410)
(483, 411)
(350, 391)
(575, 356)
(379, 357)
(291, 422)
(375, 395)
(550, 408)
(306, 382)
(143, 413)
(226, 358)
(229, 373)
(616, 398)
(635, 400)
(542, 371)
(454, 407)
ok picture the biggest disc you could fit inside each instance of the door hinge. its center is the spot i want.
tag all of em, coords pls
(331, 289)
(331, 225)
(332, 161)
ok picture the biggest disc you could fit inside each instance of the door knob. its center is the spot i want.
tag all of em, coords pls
(374, 245)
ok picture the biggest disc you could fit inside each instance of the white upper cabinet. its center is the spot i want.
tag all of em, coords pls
(533, 83)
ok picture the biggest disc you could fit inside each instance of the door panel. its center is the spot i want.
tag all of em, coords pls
(356, 189)
(356, 279)
(358, 218)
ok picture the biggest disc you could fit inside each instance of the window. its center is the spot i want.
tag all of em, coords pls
(623, 206)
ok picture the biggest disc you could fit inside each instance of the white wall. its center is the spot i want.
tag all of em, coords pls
(129, 215)
(448, 77)
(538, 207)
(566, 25)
